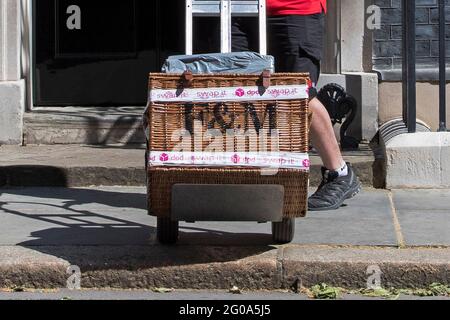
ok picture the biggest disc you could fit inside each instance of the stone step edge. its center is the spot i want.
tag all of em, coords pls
(369, 172)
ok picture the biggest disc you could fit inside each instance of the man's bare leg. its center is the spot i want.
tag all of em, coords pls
(323, 137)
(339, 181)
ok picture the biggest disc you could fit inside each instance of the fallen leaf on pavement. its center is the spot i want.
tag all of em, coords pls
(162, 290)
(324, 291)
(235, 290)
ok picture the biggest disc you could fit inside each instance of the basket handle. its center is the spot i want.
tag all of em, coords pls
(265, 79)
(187, 78)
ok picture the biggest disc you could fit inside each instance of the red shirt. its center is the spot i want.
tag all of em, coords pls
(295, 7)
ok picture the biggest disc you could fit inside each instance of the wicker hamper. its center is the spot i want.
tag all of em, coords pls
(163, 120)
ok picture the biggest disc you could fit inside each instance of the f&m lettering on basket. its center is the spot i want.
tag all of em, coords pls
(222, 117)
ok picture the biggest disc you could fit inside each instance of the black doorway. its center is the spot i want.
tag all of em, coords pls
(99, 53)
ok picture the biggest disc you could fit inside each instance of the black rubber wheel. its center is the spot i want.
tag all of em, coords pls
(283, 232)
(167, 231)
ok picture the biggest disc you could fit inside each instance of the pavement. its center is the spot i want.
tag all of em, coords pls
(107, 234)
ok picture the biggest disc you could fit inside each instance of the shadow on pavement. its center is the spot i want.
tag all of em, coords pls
(79, 196)
(32, 176)
(81, 235)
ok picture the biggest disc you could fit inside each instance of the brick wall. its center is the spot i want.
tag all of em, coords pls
(387, 47)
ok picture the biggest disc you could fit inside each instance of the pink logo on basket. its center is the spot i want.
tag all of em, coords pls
(235, 159)
(164, 157)
(240, 92)
(306, 163)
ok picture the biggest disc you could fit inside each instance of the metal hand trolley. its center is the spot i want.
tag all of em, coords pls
(234, 184)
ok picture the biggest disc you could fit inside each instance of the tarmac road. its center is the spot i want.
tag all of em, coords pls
(175, 295)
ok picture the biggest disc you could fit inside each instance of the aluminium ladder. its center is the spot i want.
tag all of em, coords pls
(226, 9)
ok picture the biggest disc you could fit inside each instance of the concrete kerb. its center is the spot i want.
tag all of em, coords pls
(256, 268)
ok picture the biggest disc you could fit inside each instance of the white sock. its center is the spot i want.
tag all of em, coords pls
(342, 170)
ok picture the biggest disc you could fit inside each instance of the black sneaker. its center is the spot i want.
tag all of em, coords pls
(334, 190)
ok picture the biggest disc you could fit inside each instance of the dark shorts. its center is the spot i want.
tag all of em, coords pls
(295, 41)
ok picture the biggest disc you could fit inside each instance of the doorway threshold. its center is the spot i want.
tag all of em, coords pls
(84, 125)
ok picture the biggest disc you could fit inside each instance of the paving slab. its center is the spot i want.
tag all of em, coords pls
(424, 216)
(364, 220)
(118, 216)
(421, 228)
(59, 216)
(422, 199)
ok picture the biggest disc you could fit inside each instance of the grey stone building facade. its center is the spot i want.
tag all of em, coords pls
(33, 68)
(387, 46)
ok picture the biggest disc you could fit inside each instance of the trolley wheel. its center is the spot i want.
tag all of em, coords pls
(283, 232)
(167, 231)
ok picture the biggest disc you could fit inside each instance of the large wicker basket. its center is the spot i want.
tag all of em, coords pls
(164, 120)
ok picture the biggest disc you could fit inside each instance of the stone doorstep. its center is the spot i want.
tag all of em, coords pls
(79, 166)
(249, 268)
(84, 125)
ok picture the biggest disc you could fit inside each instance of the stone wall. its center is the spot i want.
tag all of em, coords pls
(387, 45)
